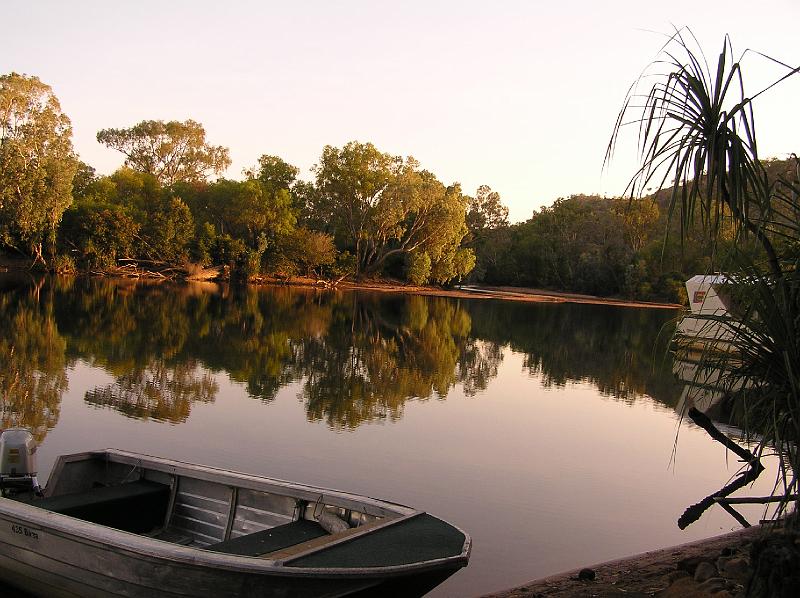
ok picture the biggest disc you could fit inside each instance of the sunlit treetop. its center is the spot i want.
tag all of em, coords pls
(171, 151)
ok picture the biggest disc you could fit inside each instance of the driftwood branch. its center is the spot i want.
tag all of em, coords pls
(329, 283)
(754, 469)
(757, 500)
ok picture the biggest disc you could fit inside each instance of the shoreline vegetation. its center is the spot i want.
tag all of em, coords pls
(502, 293)
(361, 214)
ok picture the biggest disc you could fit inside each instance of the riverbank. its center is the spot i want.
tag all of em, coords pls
(716, 566)
(505, 293)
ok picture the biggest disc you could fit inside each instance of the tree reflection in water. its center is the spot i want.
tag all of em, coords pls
(356, 357)
(157, 391)
(360, 357)
(624, 352)
(32, 358)
(381, 352)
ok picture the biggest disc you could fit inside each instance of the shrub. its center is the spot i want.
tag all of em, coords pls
(418, 269)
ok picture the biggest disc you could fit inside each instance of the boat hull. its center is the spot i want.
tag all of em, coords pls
(49, 553)
(45, 563)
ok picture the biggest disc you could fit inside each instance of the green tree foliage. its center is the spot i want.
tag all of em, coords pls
(639, 219)
(310, 252)
(223, 250)
(85, 177)
(489, 235)
(350, 184)
(274, 173)
(453, 263)
(485, 211)
(253, 214)
(307, 203)
(37, 164)
(128, 214)
(575, 245)
(167, 231)
(137, 191)
(172, 152)
(248, 209)
(98, 234)
(418, 268)
(365, 211)
(609, 246)
(380, 205)
(421, 214)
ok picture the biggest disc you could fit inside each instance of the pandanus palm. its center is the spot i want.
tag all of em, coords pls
(697, 141)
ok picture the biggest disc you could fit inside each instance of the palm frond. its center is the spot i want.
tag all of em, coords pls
(696, 136)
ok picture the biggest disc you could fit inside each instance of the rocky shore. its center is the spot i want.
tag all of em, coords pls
(747, 562)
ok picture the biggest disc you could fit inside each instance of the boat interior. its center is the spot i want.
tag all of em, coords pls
(286, 523)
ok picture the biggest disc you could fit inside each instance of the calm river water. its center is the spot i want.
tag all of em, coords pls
(544, 430)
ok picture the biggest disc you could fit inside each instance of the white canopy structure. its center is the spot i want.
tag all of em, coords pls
(706, 298)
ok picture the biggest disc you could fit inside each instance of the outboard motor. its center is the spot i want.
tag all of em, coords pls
(18, 462)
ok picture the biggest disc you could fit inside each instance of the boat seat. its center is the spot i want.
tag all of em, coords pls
(269, 540)
(136, 507)
(418, 538)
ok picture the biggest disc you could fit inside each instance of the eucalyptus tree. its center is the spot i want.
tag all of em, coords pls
(127, 215)
(696, 128)
(489, 233)
(486, 211)
(249, 210)
(37, 164)
(381, 205)
(173, 151)
(639, 218)
(419, 214)
(350, 183)
(274, 172)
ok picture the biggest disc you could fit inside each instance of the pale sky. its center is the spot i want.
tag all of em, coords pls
(517, 95)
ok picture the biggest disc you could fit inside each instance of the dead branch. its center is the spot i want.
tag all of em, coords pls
(757, 500)
(754, 469)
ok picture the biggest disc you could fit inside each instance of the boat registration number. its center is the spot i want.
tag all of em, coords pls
(24, 531)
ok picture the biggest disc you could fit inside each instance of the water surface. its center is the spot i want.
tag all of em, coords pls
(544, 430)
